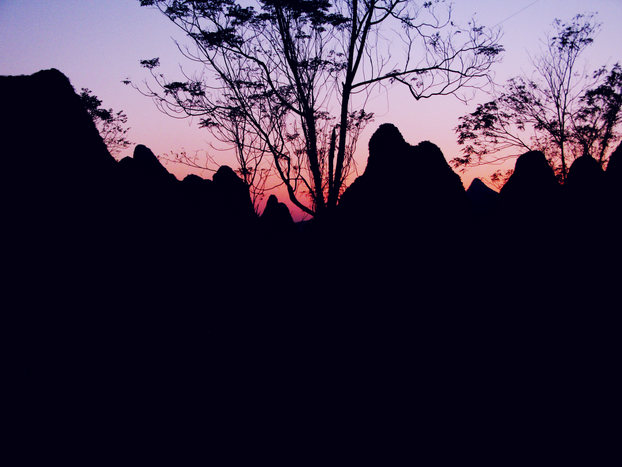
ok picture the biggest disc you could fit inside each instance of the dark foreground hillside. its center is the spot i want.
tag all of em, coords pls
(414, 284)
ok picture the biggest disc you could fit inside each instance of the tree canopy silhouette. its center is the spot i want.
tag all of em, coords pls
(561, 110)
(285, 81)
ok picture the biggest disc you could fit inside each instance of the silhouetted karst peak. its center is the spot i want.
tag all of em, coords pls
(232, 197)
(430, 169)
(225, 175)
(483, 199)
(149, 165)
(586, 178)
(62, 142)
(196, 190)
(477, 186)
(431, 155)
(59, 166)
(276, 212)
(59, 191)
(585, 170)
(277, 222)
(530, 212)
(124, 264)
(532, 163)
(403, 189)
(586, 196)
(149, 190)
(387, 149)
(532, 187)
(195, 180)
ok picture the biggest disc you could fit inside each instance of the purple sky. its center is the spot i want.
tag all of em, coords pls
(98, 43)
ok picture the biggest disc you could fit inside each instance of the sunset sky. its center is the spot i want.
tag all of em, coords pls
(98, 43)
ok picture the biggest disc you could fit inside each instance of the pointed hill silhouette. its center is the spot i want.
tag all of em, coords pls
(404, 183)
(585, 191)
(401, 215)
(91, 238)
(591, 216)
(148, 167)
(62, 145)
(482, 198)
(59, 180)
(586, 179)
(59, 153)
(234, 208)
(277, 220)
(531, 194)
(483, 201)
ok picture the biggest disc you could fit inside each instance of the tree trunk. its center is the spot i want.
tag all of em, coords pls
(314, 165)
(331, 163)
(341, 152)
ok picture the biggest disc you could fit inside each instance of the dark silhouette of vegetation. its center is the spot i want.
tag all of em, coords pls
(110, 124)
(402, 294)
(404, 178)
(560, 111)
(285, 82)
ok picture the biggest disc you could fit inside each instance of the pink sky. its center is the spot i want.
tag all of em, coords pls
(97, 44)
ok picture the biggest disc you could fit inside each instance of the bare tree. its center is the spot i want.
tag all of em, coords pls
(286, 81)
(560, 110)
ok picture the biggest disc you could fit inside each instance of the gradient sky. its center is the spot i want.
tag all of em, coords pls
(98, 43)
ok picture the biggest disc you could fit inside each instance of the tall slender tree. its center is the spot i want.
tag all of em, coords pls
(285, 81)
(561, 109)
